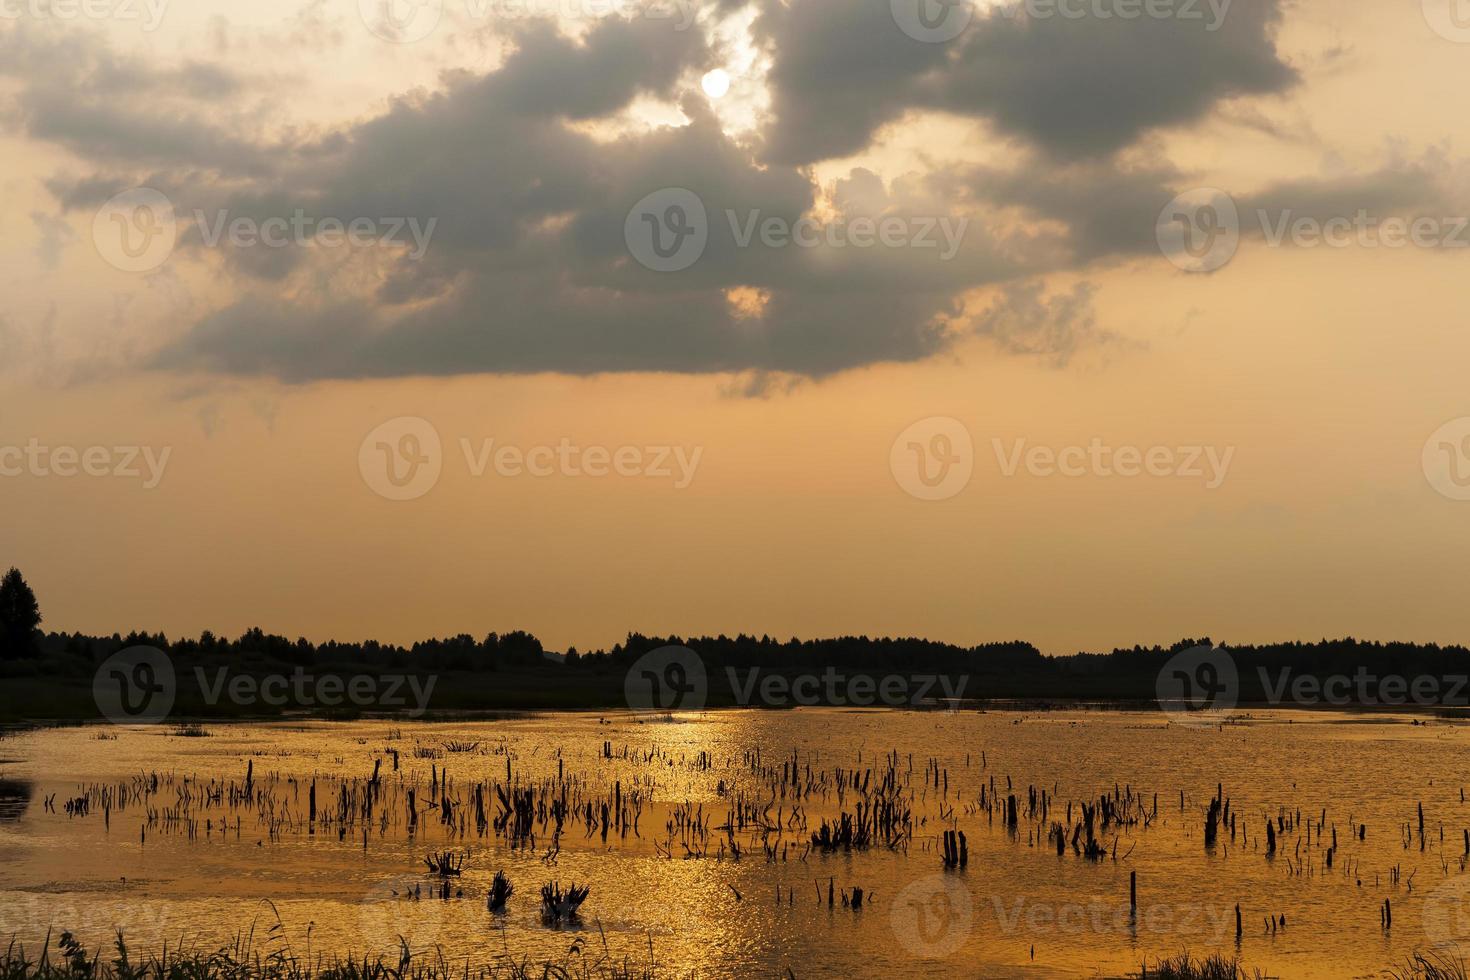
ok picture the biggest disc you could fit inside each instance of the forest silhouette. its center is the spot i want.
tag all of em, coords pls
(46, 674)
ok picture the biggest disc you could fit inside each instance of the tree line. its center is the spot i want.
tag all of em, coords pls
(1008, 663)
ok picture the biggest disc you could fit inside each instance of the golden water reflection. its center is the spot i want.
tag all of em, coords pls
(175, 864)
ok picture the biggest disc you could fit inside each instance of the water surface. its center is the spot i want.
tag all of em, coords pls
(175, 844)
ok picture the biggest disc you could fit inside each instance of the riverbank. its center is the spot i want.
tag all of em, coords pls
(448, 695)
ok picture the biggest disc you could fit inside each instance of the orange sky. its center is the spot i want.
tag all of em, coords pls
(1321, 371)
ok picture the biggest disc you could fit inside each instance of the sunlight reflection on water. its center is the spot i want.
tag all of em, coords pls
(205, 882)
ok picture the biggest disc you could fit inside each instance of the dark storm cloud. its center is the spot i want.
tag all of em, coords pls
(1075, 87)
(528, 269)
(1108, 208)
(1389, 191)
(551, 75)
(126, 110)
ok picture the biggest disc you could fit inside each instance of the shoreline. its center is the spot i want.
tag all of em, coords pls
(1242, 713)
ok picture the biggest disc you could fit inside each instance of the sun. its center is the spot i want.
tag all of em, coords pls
(716, 83)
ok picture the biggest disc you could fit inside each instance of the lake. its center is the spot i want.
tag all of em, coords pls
(703, 861)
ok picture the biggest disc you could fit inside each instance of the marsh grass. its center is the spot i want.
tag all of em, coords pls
(1434, 965)
(562, 906)
(462, 746)
(240, 960)
(500, 892)
(1214, 967)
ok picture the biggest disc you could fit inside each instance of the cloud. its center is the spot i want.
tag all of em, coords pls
(54, 235)
(1025, 321)
(1101, 208)
(528, 270)
(128, 110)
(1390, 190)
(1075, 88)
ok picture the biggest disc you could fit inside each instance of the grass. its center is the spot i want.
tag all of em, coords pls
(1182, 967)
(557, 905)
(241, 961)
(1433, 965)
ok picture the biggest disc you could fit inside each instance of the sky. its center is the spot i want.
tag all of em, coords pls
(1082, 322)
